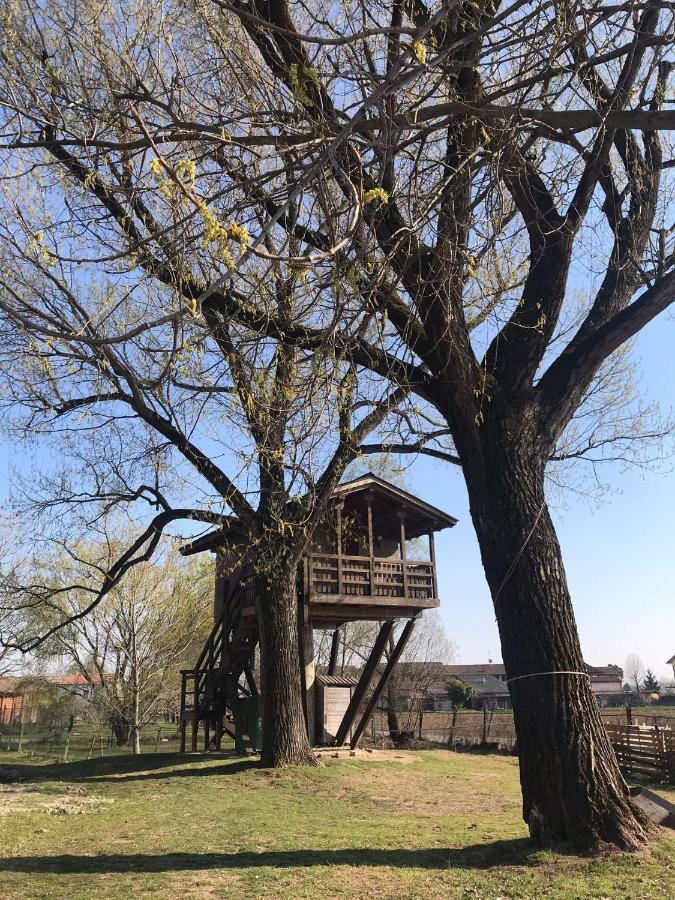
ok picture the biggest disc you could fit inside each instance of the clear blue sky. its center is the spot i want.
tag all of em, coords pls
(620, 557)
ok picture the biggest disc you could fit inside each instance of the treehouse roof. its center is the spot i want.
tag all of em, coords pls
(389, 503)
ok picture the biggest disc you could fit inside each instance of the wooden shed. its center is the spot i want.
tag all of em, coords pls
(332, 698)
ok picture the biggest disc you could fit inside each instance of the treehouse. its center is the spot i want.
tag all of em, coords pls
(371, 558)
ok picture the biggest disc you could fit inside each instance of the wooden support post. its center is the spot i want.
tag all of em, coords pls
(183, 723)
(334, 647)
(250, 680)
(207, 733)
(391, 662)
(432, 557)
(195, 730)
(364, 682)
(371, 551)
(404, 569)
(338, 526)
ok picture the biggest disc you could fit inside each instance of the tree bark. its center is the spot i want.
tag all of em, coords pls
(120, 729)
(572, 789)
(284, 731)
(392, 713)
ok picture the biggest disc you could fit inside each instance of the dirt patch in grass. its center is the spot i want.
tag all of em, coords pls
(16, 798)
(214, 884)
(13, 798)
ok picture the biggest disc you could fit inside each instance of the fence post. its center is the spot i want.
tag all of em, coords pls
(159, 731)
(629, 714)
(484, 739)
(71, 723)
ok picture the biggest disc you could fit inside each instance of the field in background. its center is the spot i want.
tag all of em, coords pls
(383, 825)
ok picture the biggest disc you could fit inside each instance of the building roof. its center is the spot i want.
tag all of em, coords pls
(22, 683)
(8, 684)
(420, 517)
(337, 680)
(213, 539)
(599, 674)
(486, 685)
(477, 669)
(671, 661)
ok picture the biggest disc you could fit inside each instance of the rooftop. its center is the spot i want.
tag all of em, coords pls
(388, 499)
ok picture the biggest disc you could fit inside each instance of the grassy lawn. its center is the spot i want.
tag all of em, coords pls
(414, 825)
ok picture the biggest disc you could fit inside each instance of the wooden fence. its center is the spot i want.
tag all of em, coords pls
(644, 750)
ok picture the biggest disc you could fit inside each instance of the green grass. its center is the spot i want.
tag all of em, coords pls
(416, 825)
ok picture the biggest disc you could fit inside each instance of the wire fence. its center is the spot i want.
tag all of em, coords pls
(80, 739)
(74, 739)
(494, 728)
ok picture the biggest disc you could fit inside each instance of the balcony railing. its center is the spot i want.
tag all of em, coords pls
(354, 576)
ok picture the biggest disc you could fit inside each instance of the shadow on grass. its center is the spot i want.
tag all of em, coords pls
(516, 852)
(151, 766)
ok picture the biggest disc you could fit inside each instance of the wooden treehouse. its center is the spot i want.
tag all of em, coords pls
(365, 562)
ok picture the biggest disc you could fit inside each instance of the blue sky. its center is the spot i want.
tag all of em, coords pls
(620, 556)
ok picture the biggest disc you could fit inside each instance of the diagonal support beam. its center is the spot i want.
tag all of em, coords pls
(334, 647)
(364, 682)
(391, 662)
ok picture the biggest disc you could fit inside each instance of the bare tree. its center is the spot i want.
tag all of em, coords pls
(421, 665)
(486, 187)
(634, 670)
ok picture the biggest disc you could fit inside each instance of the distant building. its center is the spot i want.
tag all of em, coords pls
(11, 699)
(489, 682)
(21, 697)
(671, 662)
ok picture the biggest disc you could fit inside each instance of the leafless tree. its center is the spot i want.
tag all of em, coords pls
(421, 665)
(158, 405)
(634, 670)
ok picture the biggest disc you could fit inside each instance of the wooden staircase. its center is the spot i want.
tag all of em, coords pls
(222, 676)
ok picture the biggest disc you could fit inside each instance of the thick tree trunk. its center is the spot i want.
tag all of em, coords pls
(120, 729)
(284, 730)
(572, 788)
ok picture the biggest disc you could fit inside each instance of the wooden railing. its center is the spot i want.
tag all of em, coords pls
(356, 576)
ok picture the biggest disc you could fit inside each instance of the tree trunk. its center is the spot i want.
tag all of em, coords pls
(572, 788)
(135, 741)
(284, 730)
(120, 729)
(392, 713)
